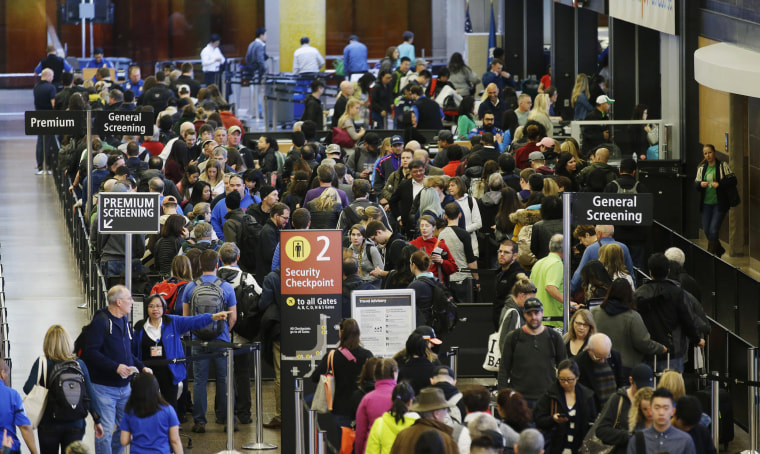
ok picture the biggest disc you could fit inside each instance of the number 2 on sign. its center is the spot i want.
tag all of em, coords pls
(321, 257)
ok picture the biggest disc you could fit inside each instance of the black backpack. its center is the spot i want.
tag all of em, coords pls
(249, 241)
(248, 315)
(67, 392)
(81, 340)
(444, 307)
(622, 190)
(208, 298)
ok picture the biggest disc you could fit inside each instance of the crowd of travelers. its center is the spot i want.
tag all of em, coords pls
(489, 198)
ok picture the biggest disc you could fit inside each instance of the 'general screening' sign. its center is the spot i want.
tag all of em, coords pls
(129, 212)
(613, 209)
(120, 123)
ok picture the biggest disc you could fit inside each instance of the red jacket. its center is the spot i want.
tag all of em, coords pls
(521, 155)
(447, 267)
(229, 120)
(450, 169)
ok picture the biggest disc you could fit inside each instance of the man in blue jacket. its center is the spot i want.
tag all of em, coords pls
(108, 355)
(354, 57)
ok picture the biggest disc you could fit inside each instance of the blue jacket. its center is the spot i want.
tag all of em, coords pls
(582, 107)
(108, 345)
(592, 253)
(229, 300)
(220, 209)
(171, 336)
(355, 58)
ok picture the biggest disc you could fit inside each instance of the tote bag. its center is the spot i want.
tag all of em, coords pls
(34, 402)
(323, 396)
(493, 355)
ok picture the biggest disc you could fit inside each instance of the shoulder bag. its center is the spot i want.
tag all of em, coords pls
(730, 188)
(34, 402)
(323, 396)
(592, 444)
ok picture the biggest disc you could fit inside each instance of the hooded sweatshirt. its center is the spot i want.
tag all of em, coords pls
(384, 432)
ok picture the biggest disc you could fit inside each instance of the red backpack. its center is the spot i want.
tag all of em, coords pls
(169, 290)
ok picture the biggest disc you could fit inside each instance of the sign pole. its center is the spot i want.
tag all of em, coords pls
(88, 210)
(128, 260)
(566, 259)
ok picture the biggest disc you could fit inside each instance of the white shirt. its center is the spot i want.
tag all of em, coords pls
(209, 54)
(307, 59)
(154, 333)
(416, 188)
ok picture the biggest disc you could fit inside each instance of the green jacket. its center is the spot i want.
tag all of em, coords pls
(384, 431)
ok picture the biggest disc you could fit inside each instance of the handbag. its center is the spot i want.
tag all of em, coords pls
(323, 396)
(34, 402)
(347, 437)
(729, 182)
(493, 354)
(592, 444)
(340, 137)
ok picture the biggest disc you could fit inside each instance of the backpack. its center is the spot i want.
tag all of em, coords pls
(169, 289)
(67, 392)
(444, 307)
(621, 190)
(248, 314)
(597, 180)
(250, 239)
(208, 298)
(81, 340)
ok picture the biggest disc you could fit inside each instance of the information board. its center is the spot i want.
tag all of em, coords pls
(129, 212)
(311, 284)
(385, 317)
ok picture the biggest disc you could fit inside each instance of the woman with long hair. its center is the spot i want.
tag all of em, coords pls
(401, 275)
(540, 112)
(346, 121)
(428, 270)
(640, 416)
(296, 191)
(712, 184)
(513, 409)
(478, 186)
(346, 363)
(461, 76)
(618, 319)
(409, 125)
(466, 120)
(213, 174)
(511, 313)
(503, 226)
(533, 133)
(54, 430)
(637, 134)
(202, 193)
(567, 410)
(376, 402)
(572, 146)
(173, 234)
(596, 282)
(582, 326)
(399, 417)
(417, 369)
(367, 255)
(325, 209)
(579, 98)
(611, 256)
(149, 424)
(185, 185)
(430, 203)
(470, 220)
(567, 166)
(390, 61)
(179, 158)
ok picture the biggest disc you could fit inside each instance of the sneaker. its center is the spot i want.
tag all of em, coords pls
(245, 419)
(40, 172)
(199, 428)
(49, 172)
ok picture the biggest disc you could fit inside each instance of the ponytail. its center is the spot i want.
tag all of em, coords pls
(402, 394)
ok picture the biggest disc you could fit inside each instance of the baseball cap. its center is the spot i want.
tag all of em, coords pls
(333, 149)
(233, 129)
(602, 99)
(532, 304)
(445, 135)
(642, 376)
(548, 142)
(372, 139)
(97, 50)
(535, 156)
(428, 333)
(169, 199)
(100, 160)
(214, 37)
(421, 61)
(397, 140)
(443, 370)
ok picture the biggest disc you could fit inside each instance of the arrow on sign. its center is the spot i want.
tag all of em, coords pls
(107, 223)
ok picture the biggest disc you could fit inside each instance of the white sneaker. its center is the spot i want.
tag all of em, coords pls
(40, 172)
(50, 172)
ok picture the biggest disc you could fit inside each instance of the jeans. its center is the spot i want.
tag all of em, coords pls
(52, 436)
(378, 121)
(675, 364)
(712, 218)
(112, 401)
(49, 145)
(462, 290)
(200, 375)
(212, 77)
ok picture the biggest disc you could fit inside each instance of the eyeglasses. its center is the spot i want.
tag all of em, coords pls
(597, 358)
(567, 380)
(581, 324)
(285, 218)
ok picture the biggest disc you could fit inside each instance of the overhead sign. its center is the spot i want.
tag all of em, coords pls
(658, 15)
(121, 123)
(54, 122)
(385, 317)
(129, 212)
(611, 208)
(311, 284)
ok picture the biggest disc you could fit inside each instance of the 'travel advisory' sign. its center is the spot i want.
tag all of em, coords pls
(311, 283)
(120, 123)
(613, 209)
(129, 212)
(54, 122)
(385, 317)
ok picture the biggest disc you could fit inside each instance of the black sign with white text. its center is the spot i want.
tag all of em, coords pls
(54, 122)
(129, 212)
(121, 123)
(613, 209)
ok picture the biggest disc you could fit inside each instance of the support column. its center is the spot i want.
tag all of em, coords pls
(738, 138)
(299, 18)
(623, 69)
(563, 56)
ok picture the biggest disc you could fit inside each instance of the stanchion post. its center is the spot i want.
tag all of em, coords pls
(230, 405)
(454, 360)
(313, 432)
(752, 393)
(299, 415)
(258, 443)
(715, 387)
(566, 252)
(322, 442)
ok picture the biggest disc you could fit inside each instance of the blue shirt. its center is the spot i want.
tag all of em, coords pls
(150, 434)
(406, 50)
(672, 440)
(104, 63)
(592, 253)
(506, 136)
(12, 413)
(137, 88)
(276, 258)
(355, 58)
(229, 299)
(220, 209)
